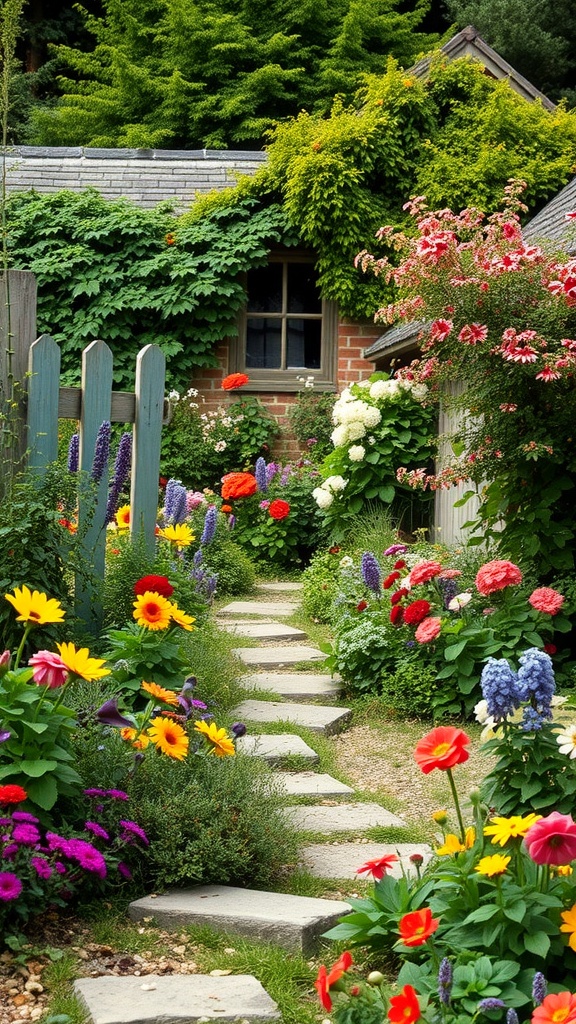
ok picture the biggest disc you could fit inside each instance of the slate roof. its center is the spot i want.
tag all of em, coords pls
(551, 224)
(400, 338)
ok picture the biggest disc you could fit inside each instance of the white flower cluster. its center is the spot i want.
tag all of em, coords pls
(352, 418)
(324, 495)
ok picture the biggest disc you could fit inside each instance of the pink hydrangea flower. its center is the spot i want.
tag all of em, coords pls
(49, 669)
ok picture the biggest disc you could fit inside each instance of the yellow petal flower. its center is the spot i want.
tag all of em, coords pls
(496, 864)
(222, 745)
(168, 696)
(569, 926)
(169, 737)
(81, 664)
(451, 846)
(35, 607)
(152, 610)
(503, 830)
(123, 517)
(180, 535)
(138, 740)
(181, 618)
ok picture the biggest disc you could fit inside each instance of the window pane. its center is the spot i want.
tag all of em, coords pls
(303, 344)
(303, 294)
(264, 343)
(265, 289)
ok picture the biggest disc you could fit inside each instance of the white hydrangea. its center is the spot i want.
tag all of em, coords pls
(419, 392)
(372, 416)
(363, 384)
(356, 453)
(339, 436)
(335, 483)
(354, 431)
(384, 389)
(322, 497)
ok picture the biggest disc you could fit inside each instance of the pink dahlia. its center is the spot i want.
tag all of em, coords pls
(49, 669)
(545, 599)
(423, 572)
(497, 575)
(552, 840)
(428, 630)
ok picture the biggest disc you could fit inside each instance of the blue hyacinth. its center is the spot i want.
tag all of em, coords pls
(371, 573)
(537, 685)
(209, 525)
(261, 475)
(499, 688)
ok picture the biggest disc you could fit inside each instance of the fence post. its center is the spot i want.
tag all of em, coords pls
(96, 408)
(17, 332)
(150, 374)
(43, 389)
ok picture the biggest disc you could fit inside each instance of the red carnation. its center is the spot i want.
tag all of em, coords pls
(279, 509)
(424, 571)
(234, 380)
(157, 584)
(545, 599)
(390, 580)
(415, 612)
(12, 794)
(396, 615)
(398, 595)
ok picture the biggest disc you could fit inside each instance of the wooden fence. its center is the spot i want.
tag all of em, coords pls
(93, 403)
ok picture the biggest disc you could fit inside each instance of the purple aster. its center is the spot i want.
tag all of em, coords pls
(74, 453)
(57, 843)
(96, 830)
(94, 792)
(371, 572)
(116, 794)
(10, 886)
(132, 830)
(60, 868)
(23, 816)
(209, 525)
(87, 856)
(10, 851)
(261, 475)
(124, 870)
(25, 834)
(396, 549)
(41, 867)
(101, 451)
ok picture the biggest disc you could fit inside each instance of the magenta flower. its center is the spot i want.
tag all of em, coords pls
(25, 834)
(116, 794)
(41, 867)
(552, 840)
(96, 830)
(132, 831)
(87, 856)
(49, 669)
(10, 886)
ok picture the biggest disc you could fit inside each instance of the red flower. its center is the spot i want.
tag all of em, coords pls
(400, 564)
(325, 980)
(378, 867)
(238, 485)
(497, 575)
(396, 615)
(279, 509)
(442, 748)
(157, 584)
(552, 840)
(424, 571)
(428, 630)
(12, 794)
(415, 612)
(404, 1008)
(398, 595)
(361, 606)
(550, 648)
(334, 550)
(545, 599)
(557, 1008)
(390, 580)
(234, 380)
(418, 926)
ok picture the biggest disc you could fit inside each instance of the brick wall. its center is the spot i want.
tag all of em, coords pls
(353, 338)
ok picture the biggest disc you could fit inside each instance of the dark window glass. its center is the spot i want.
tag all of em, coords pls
(303, 344)
(303, 294)
(264, 343)
(265, 289)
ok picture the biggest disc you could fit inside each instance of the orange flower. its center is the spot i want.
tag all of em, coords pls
(238, 485)
(325, 980)
(159, 693)
(442, 748)
(234, 380)
(418, 926)
(404, 1008)
(226, 508)
(557, 1008)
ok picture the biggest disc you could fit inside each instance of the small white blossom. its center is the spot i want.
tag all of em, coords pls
(174, 396)
(192, 393)
(459, 601)
(356, 453)
(346, 562)
(567, 741)
(322, 497)
(220, 446)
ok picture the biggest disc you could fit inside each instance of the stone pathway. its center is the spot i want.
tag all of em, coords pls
(298, 697)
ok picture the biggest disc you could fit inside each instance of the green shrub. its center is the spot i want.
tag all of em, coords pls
(310, 418)
(409, 691)
(320, 585)
(232, 565)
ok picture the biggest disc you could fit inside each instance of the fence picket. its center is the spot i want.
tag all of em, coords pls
(43, 386)
(150, 374)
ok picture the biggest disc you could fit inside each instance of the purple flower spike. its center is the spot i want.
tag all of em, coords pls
(539, 989)
(101, 451)
(121, 472)
(74, 453)
(209, 525)
(371, 572)
(108, 714)
(491, 1003)
(261, 475)
(511, 1016)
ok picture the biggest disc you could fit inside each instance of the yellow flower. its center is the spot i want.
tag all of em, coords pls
(470, 837)
(222, 745)
(169, 737)
(81, 664)
(440, 817)
(493, 865)
(181, 618)
(123, 517)
(562, 869)
(152, 610)
(35, 608)
(569, 926)
(180, 535)
(168, 696)
(139, 741)
(451, 846)
(503, 830)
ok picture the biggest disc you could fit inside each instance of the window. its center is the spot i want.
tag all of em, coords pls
(287, 330)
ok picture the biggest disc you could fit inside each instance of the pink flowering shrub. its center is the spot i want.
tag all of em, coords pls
(498, 313)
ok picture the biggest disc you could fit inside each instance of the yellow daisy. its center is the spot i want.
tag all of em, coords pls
(159, 693)
(152, 610)
(180, 535)
(563, 870)
(496, 864)
(138, 741)
(35, 607)
(169, 737)
(569, 926)
(451, 846)
(503, 830)
(181, 618)
(81, 664)
(123, 517)
(222, 745)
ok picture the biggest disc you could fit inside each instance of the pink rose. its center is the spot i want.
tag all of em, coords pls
(49, 669)
(552, 840)
(428, 630)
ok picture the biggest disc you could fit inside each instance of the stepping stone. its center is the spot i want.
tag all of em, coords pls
(343, 859)
(280, 586)
(298, 685)
(341, 818)
(274, 748)
(178, 997)
(293, 922)
(310, 784)
(271, 656)
(317, 717)
(258, 608)
(264, 630)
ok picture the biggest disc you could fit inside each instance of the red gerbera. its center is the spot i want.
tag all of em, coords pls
(442, 748)
(158, 584)
(234, 380)
(404, 1008)
(415, 612)
(12, 794)
(278, 509)
(326, 979)
(417, 927)
(378, 867)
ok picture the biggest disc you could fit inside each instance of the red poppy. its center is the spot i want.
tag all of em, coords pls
(442, 748)
(378, 867)
(234, 380)
(396, 615)
(415, 612)
(238, 485)
(417, 927)
(157, 584)
(325, 980)
(12, 794)
(404, 1008)
(279, 509)
(390, 580)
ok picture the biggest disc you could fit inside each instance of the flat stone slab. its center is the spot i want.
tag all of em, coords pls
(318, 717)
(168, 999)
(264, 630)
(291, 654)
(298, 685)
(258, 608)
(293, 922)
(280, 586)
(341, 818)
(310, 784)
(344, 859)
(275, 748)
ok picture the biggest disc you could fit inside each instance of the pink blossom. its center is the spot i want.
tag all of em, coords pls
(496, 575)
(428, 630)
(471, 334)
(547, 600)
(548, 374)
(440, 329)
(49, 669)
(571, 215)
(552, 840)
(508, 407)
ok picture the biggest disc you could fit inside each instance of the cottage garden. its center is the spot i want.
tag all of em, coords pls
(133, 766)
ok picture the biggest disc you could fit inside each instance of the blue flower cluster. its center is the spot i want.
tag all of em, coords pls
(260, 472)
(536, 685)
(499, 688)
(371, 573)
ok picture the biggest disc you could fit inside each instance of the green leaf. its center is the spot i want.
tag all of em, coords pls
(537, 943)
(37, 768)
